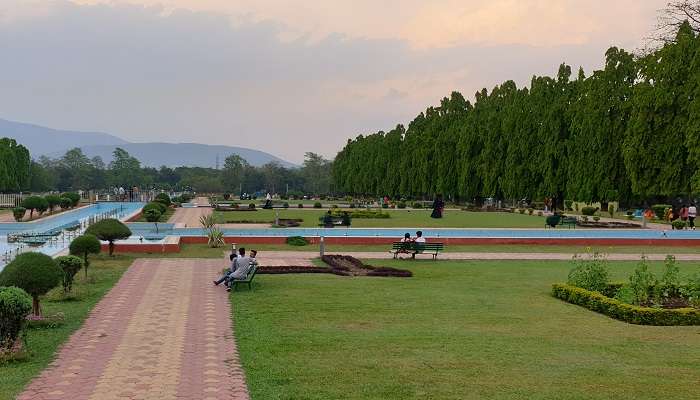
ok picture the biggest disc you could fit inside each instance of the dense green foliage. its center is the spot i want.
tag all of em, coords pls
(155, 205)
(152, 215)
(53, 201)
(70, 265)
(15, 305)
(73, 197)
(625, 312)
(590, 273)
(35, 203)
(626, 132)
(83, 246)
(297, 241)
(164, 199)
(109, 230)
(14, 166)
(36, 273)
(18, 213)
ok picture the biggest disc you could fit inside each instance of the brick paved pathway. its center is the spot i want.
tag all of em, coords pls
(163, 332)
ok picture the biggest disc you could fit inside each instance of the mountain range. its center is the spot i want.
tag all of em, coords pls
(54, 143)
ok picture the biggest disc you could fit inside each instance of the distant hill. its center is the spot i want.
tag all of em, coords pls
(54, 143)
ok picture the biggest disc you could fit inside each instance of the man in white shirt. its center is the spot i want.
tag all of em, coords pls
(418, 240)
(692, 213)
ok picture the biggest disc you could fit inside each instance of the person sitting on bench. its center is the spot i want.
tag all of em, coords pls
(234, 265)
(419, 240)
(405, 244)
(243, 268)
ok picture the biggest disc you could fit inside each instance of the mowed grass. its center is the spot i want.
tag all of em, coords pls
(399, 219)
(456, 330)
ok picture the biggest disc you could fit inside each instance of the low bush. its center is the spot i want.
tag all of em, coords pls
(590, 273)
(18, 213)
(66, 203)
(553, 220)
(660, 210)
(152, 215)
(521, 210)
(613, 308)
(596, 218)
(642, 281)
(530, 211)
(70, 265)
(363, 214)
(588, 211)
(15, 306)
(285, 205)
(385, 205)
(568, 204)
(317, 205)
(73, 197)
(155, 205)
(352, 205)
(251, 206)
(540, 213)
(300, 205)
(401, 205)
(417, 205)
(297, 241)
(164, 199)
(678, 224)
(35, 203)
(53, 201)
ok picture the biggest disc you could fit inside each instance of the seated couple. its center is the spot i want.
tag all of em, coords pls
(240, 267)
(412, 243)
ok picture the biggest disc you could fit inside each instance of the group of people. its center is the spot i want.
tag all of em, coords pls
(410, 243)
(241, 266)
(686, 214)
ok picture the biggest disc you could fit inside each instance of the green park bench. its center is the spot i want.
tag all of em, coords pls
(418, 248)
(569, 222)
(248, 279)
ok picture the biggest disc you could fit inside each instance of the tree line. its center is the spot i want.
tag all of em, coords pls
(629, 132)
(14, 166)
(75, 171)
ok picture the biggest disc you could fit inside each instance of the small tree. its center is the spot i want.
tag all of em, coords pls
(83, 246)
(66, 203)
(52, 201)
(109, 230)
(70, 266)
(74, 198)
(152, 215)
(32, 203)
(15, 305)
(18, 213)
(164, 199)
(36, 273)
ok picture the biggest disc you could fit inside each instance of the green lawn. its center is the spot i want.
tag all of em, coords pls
(491, 248)
(399, 218)
(456, 330)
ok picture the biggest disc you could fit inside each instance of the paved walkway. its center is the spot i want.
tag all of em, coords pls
(189, 216)
(163, 332)
(302, 258)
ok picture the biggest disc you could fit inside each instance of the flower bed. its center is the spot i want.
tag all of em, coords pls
(350, 266)
(632, 314)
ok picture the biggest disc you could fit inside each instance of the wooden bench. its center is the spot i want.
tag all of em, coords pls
(248, 279)
(417, 248)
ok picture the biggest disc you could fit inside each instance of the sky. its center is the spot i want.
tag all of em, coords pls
(285, 76)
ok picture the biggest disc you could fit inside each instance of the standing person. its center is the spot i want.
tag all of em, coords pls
(692, 213)
(684, 213)
(438, 207)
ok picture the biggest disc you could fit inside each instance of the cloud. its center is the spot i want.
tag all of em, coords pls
(200, 73)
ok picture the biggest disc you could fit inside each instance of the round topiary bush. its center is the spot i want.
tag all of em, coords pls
(678, 224)
(83, 246)
(33, 203)
(155, 205)
(297, 241)
(660, 210)
(36, 273)
(164, 199)
(300, 205)
(417, 205)
(66, 203)
(53, 201)
(109, 230)
(18, 213)
(73, 197)
(15, 305)
(285, 205)
(70, 266)
(152, 215)
(588, 211)
(251, 206)
(317, 205)
(402, 205)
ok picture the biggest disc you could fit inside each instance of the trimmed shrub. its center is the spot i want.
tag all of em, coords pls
(385, 205)
(155, 205)
(402, 205)
(417, 205)
(152, 215)
(109, 230)
(251, 206)
(553, 220)
(317, 205)
(18, 213)
(53, 201)
(297, 241)
(15, 306)
(353, 205)
(164, 199)
(70, 265)
(73, 197)
(36, 273)
(660, 210)
(285, 205)
(521, 210)
(589, 273)
(300, 205)
(678, 224)
(596, 218)
(33, 203)
(588, 211)
(568, 204)
(530, 211)
(613, 308)
(83, 246)
(66, 203)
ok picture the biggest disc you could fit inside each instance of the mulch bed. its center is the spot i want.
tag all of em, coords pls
(339, 265)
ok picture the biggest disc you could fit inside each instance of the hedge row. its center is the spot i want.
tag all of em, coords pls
(625, 312)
